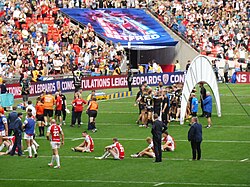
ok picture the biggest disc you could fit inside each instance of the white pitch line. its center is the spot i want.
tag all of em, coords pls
(140, 139)
(121, 182)
(159, 184)
(143, 158)
(172, 125)
(115, 112)
(246, 159)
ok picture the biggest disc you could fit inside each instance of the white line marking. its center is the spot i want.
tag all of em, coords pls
(159, 184)
(142, 158)
(171, 125)
(139, 139)
(123, 182)
(246, 159)
(115, 112)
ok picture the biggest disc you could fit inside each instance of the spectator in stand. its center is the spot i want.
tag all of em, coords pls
(177, 66)
(188, 65)
(208, 26)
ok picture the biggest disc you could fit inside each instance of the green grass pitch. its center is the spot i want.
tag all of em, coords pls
(225, 151)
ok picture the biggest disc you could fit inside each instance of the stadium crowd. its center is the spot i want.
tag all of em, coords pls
(36, 40)
(216, 28)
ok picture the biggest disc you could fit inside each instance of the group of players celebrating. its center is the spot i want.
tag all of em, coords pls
(166, 102)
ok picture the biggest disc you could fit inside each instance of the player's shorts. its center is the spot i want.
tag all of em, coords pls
(2, 133)
(55, 145)
(150, 109)
(152, 153)
(58, 113)
(28, 136)
(48, 112)
(207, 114)
(117, 156)
(93, 113)
(25, 98)
(39, 117)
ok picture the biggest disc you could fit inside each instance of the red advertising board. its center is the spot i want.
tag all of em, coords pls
(243, 77)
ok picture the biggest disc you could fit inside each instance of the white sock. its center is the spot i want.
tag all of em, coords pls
(2, 146)
(53, 159)
(29, 150)
(34, 148)
(35, 143)
(57, 160)
(106, 154)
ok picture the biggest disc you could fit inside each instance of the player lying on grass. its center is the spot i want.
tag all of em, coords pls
(8, 141)
(116, 150)
(56, 133)
(148, 151)
(168, 143)
(86, 146)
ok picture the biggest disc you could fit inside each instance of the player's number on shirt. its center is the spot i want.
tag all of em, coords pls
(56, 133)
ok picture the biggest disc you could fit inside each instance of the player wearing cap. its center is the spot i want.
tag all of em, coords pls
(87, 145)
(116, 150)
(56, 136)
(148, 151)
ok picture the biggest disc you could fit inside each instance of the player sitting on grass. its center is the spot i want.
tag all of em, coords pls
(168, 143)
(116, 150)
(8, 141)
(86, 146)
(148, 151)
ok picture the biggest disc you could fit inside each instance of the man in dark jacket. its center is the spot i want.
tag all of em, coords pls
(158, 128)
(195, 138)
(11, 119)
(202, 96)
(18, 129)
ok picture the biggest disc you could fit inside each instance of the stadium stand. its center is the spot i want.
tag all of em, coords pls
(36, 40)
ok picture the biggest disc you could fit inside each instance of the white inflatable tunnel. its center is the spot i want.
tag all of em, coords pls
(200, 70)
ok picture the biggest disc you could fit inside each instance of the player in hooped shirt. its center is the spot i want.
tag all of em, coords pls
(87, 145)
(116, 150)
(56, 135)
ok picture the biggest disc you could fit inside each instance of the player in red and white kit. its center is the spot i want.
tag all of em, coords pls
(86, 146)
(8, 141)
(116, 150)
(168, 143)
(58, 108)
(55, 134)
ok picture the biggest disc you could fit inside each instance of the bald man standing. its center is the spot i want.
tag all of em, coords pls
(195, 138)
